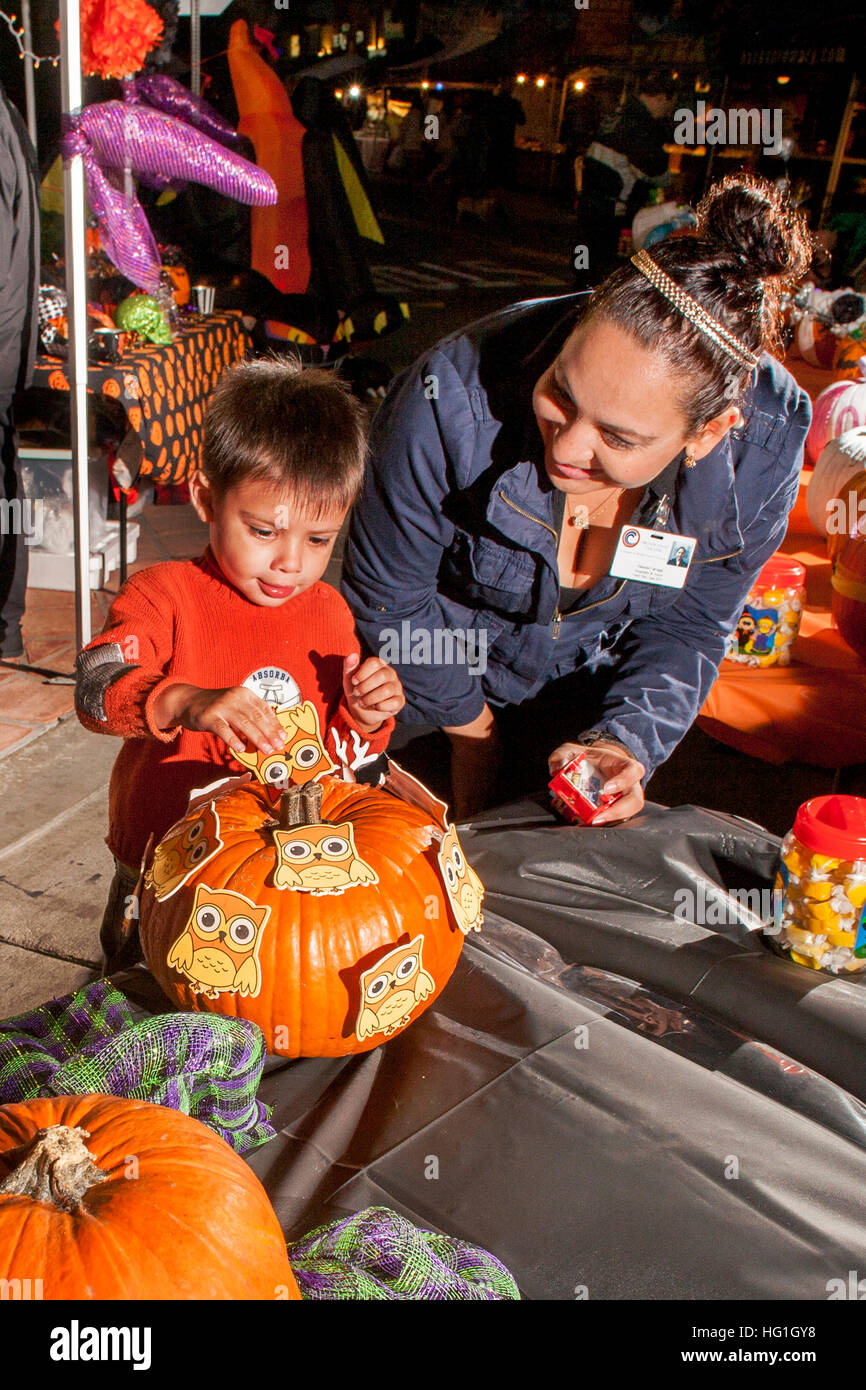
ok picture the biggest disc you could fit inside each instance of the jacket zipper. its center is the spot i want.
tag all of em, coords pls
(714, 559)
(529, 517)
(559, 618)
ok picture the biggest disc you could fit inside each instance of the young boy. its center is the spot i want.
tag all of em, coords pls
(195, 655)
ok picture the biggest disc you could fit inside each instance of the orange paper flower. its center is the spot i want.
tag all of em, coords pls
(116, 35)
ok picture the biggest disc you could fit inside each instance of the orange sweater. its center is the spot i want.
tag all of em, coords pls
(184, 622)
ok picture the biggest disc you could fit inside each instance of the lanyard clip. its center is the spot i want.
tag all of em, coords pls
(663, 510)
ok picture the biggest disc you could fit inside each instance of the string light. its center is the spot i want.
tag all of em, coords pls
(18, 35)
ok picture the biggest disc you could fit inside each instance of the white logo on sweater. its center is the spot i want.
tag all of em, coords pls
(275, 685)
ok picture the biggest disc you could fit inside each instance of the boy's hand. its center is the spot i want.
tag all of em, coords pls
(236, 715)
(372, 689)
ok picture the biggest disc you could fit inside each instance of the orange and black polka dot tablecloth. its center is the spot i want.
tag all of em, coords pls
(164, 390)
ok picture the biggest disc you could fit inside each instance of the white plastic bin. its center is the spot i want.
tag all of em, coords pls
(47, 478)
(48, 570)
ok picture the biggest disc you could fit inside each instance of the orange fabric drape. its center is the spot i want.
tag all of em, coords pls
(813, 710)
(279, 233)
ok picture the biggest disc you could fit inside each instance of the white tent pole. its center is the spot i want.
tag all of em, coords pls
(76, 290)
(195, 46)
(29, 89)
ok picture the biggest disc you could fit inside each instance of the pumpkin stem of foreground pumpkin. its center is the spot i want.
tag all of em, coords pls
(55, 1167)
(301, 806)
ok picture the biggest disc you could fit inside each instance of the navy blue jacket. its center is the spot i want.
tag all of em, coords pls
(455, 529)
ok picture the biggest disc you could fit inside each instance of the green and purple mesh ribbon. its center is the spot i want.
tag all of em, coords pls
(89, 1043)
(379, 1255)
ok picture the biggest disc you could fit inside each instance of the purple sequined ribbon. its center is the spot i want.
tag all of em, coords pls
(117, 135)
(168, 95)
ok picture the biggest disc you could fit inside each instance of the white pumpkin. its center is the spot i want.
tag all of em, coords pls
(840, 460)
(841, 407)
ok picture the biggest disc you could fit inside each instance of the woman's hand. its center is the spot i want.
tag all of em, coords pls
(475, 757)
(622, 773)
(373, 691)
(236, 715)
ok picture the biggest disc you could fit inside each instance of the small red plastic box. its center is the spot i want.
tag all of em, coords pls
(576, 790)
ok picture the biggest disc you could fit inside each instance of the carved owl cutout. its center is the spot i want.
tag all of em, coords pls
(218, 948)
(300, 760)
(391, 989)
(320, 859)
(177, 856)
(462, 884)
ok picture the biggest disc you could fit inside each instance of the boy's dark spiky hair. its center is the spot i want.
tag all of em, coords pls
(296, 427)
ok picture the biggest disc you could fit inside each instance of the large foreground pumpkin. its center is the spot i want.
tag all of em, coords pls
(102, 1198)
(332, 936)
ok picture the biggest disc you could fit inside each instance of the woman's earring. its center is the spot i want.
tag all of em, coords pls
(690, 461)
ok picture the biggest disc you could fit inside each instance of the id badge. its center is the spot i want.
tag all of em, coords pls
(653, 557)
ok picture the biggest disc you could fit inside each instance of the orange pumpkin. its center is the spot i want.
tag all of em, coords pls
(103, 1198)
(179, 276)
(849, 593)
(847, 358)
(332, 936)
(847, 515)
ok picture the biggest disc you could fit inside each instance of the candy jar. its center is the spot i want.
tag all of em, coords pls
(770, 619)
(820, 889)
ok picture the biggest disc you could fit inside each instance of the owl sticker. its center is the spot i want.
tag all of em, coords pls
(178, 855)
(462, 884)
(218, 949)
(391, 989)
(320, 859)
(303, 756)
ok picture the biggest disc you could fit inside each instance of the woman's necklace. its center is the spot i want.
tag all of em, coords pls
(593, 528)
(581, 518)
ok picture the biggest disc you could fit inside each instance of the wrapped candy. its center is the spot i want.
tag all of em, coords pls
(820, 886)
(770, 620)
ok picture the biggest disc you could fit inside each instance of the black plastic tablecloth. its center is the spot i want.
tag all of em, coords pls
(614, 1100)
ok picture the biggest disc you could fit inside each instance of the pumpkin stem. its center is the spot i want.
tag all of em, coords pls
(54, 1167)
(301, 806)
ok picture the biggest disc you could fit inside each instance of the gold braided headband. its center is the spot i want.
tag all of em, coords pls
(693, 311)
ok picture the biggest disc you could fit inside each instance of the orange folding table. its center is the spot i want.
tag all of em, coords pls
(813, 711)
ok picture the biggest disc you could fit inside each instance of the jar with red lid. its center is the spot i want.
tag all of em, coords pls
(770, 619)
(820, 889)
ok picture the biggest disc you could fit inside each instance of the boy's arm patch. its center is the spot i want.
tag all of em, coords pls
(97, 668)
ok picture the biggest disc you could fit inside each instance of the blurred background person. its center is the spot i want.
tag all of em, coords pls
(407, 154)
(19, 318)
(504, 114)
(624, 161)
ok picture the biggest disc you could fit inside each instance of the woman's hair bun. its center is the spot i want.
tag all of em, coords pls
(754, 224)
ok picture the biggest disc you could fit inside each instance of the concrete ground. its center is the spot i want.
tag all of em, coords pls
(55, 869)
(54, 866)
